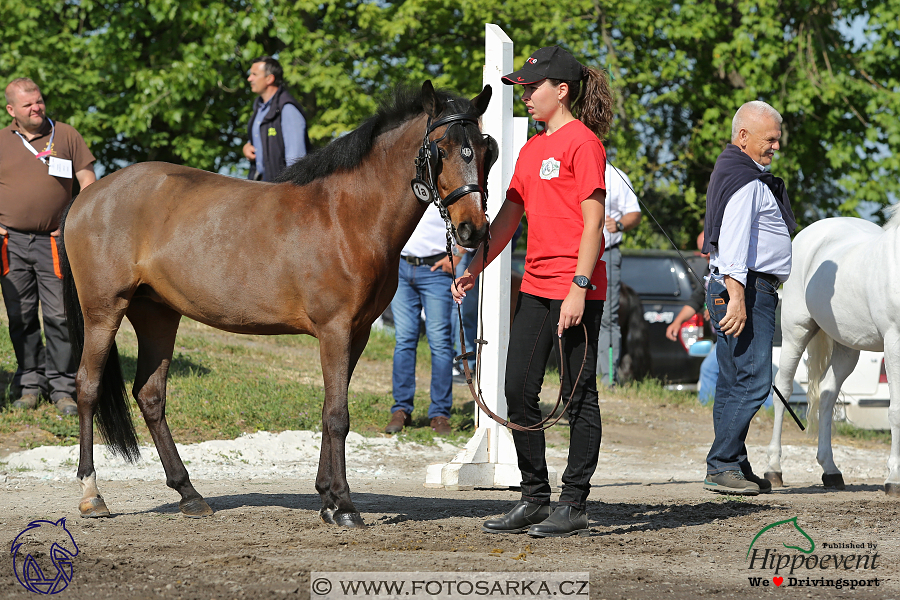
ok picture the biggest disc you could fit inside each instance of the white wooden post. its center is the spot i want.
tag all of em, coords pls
(489, 458)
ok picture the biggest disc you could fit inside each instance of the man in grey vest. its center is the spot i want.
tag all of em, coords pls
(277, 129)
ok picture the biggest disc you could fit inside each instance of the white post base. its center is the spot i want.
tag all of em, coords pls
(471, 468)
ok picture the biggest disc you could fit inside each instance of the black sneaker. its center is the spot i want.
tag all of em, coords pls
(765, 486)
(730, 482)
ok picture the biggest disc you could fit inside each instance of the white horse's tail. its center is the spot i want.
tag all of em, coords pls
(819, 350)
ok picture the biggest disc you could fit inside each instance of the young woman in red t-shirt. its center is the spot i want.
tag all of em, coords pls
(558, 184)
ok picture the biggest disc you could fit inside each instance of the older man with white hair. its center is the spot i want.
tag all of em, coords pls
(747, 234)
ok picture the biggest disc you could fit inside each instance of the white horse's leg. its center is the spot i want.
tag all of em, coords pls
(795, 337)
(892, 366)
(843, 361)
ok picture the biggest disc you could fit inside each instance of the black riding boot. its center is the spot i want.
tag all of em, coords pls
(519, 519)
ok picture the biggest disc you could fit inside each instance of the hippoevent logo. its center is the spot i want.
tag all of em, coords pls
(42, 556)
(839, 565)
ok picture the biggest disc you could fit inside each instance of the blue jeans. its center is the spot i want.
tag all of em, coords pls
(418, 288)
(745, 371)
(709, 373)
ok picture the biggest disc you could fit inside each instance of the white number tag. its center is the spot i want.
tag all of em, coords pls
(60, 167)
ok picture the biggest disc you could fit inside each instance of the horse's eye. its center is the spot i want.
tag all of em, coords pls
(442, 153)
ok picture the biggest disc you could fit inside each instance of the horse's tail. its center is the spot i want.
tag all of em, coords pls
(113, 413)
(635, 333)
(819, 350)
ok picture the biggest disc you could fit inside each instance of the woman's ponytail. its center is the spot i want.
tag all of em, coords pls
(594, 105)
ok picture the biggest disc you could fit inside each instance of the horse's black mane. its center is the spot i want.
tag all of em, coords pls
(349, 150)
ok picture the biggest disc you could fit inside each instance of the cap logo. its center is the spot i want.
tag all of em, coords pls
(532, 61)
(520, 78)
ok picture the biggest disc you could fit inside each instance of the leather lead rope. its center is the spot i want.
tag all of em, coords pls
(475, 384)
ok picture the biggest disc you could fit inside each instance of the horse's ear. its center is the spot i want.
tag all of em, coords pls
(429, 99)
(480, 102)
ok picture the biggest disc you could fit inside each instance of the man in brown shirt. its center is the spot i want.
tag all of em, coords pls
(38, 159)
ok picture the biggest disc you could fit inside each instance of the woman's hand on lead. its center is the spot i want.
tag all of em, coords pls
(571, 311)
(461, 286)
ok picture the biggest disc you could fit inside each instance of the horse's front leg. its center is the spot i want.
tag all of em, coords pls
(339, 356)
(843, 361)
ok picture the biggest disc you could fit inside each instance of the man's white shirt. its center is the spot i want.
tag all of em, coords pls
(753, 236)
(620, 200)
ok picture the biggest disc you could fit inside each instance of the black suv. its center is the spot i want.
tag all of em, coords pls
(664, 285)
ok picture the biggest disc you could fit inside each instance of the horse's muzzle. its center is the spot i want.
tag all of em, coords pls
(470, 236)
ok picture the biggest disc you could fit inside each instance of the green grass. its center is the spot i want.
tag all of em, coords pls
(221, 389)
(222, 386)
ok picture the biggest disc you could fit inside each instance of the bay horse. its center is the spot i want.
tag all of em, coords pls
(314, 253)
(840, 299)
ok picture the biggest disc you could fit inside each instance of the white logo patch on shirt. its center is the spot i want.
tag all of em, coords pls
(550, 168)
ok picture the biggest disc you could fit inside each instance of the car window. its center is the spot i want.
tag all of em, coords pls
(652, 275)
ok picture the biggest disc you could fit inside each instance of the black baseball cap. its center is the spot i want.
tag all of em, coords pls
(551, 62)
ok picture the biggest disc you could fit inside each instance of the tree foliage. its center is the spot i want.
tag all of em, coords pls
(165, 79)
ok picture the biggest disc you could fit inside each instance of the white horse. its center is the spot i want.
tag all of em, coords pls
(840, 299)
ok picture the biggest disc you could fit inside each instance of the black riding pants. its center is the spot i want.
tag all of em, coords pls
(532, 339)
(33, 276)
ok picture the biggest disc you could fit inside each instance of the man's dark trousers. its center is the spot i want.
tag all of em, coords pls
(745, 370)
(34, 277)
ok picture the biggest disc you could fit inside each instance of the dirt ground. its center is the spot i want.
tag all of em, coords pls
(655, 532)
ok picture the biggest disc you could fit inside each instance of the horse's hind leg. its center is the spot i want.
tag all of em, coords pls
(156, 326)
(98, 341)
(843, 361)
(795, 337)
(892, 366)
(339, 356)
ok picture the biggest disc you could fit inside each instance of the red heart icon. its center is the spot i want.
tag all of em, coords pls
(778, 580)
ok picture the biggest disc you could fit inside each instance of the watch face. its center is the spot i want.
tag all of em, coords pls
(582, 281)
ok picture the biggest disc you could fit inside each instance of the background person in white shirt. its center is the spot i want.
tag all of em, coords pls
(623, 213)
(748, 236)
(424, 277)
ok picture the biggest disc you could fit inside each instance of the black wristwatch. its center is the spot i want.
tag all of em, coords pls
(583, 282)
(619, 226)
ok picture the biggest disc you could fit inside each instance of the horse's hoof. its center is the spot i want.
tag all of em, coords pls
(195, 508)
(833, 480)
(93, 507)
(892, 489)
(774, 478)
(351, 520)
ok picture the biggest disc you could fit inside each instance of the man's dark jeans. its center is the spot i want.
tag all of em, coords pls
(745, 370)
(532, 339)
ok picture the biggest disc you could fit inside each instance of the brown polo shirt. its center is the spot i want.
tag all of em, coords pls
(30, 198)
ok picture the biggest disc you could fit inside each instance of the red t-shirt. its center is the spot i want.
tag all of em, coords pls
(554, 175)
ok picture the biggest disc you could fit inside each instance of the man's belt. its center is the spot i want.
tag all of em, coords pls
(427, 260)
(773, 279)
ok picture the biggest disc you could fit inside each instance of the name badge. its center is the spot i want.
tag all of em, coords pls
(60, 167)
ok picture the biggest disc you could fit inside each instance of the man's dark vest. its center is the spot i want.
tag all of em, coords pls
(274, 161)
(734, 170)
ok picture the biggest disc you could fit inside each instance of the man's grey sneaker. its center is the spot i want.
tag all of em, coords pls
(730, 482)
(765, 486)
(66, 406)
(27, 401)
